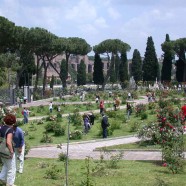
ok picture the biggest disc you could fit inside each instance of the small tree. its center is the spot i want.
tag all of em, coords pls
(98, 77)
(81, 74)
(136, 67)
(150, 62)
(123, 70)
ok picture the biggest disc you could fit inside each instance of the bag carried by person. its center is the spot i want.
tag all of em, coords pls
(4, 151)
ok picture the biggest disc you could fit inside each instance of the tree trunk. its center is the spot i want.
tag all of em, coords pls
(37, 74)
(108, 72)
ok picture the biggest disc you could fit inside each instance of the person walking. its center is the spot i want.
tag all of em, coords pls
(101, 106)
(104, 125)
(19, 147)
(8, 172)
(86, 123)
(50, 107)
(25, 114)
(129, 111)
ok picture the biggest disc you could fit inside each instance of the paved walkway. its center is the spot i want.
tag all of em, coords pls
(81, 150)
(47, 101)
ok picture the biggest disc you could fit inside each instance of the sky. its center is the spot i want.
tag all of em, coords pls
(131, 21)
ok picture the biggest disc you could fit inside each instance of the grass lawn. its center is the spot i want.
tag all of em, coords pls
(117, 120)
(128, 173)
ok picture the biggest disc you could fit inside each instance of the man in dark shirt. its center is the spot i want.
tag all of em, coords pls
(104, 125)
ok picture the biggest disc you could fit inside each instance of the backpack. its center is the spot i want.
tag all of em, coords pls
(4, 151)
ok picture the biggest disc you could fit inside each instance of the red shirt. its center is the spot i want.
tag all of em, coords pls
(184, 109)
(101, 104)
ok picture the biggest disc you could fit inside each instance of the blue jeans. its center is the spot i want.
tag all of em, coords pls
(128, 114)
(104, 132)
(25, 119)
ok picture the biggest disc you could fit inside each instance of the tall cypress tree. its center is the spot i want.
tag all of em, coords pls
(136, 67)
(150, 63)
(81, 74)
(98, 76)
(123, 70)
(180, 65)
(113, 71)
(63, 72)
(167, 63)
(117, 66)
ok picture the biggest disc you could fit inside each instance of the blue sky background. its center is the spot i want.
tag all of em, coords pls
(132, 21)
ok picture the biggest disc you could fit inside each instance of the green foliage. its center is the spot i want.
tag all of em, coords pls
(144, 116)
(53, 172)
(75, 135)
(81, 74)
(52, 82)
(123, 70)
(62, 157)
(114, 160)
(150, 62)
(152, 106)
(167, 63)
(49, 127)
(59, 130)
(27, 148)
(76, 118)
(87, 181)
(148, 131)
(134, 126)
(136, 67)
(163, 103)
(40, 108)
(46, 138)
(139, 109)
(98, 77)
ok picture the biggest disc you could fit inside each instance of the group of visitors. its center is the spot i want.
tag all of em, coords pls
(15, 143)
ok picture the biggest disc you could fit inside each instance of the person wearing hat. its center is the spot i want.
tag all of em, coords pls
(8, 172)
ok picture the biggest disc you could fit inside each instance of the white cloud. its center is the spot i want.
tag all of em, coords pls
(83, 11)
(100, 22)
(114, 14)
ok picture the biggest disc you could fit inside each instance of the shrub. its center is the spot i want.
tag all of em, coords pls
(76, 119)
(134, 126)
(152, 106)
(49, 127)
(62, 156)
(140, 108)
(115, 125)
(53, 172)
(76, 135)
(46, 138)
(144, 116)
(40, 108)
(59, 130)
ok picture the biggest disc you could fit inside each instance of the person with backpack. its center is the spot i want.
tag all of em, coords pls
(104, 125)
(8, 172)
